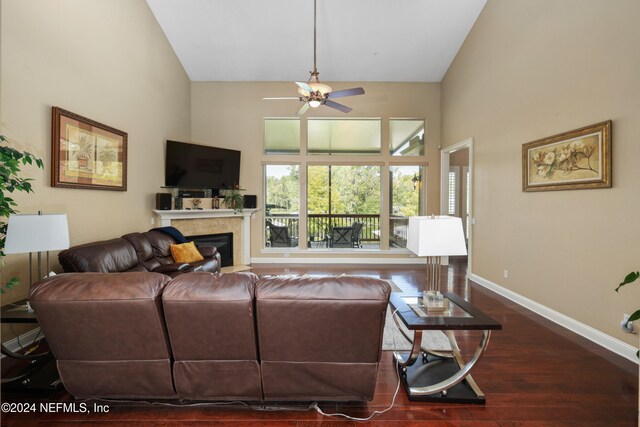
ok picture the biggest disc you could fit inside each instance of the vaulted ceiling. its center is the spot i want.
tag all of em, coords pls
(357, 40)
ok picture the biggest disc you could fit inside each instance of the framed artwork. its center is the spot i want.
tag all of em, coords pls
(574, 160)
(87, 154)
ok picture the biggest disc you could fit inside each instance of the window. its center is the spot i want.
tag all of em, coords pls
(344, 136)
(344, 163)
(406, 184)
(282, 205)
(340, 197)
(453, 192)
(406, 137)
(282, 136)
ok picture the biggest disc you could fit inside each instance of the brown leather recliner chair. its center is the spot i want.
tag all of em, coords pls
(320, 338)
(149, 251)
(108, 336)
(211, 324)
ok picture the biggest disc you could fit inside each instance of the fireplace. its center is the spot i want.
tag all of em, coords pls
(222, 241)
(210, 221)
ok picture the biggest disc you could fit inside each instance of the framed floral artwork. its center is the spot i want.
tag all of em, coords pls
(87, 154)
(578, 159)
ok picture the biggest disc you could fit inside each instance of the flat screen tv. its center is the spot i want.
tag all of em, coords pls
(200, 166)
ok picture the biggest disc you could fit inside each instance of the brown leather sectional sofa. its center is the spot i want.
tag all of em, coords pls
(205, 336)
(149, 251)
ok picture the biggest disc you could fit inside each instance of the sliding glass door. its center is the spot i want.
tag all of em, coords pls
(343, 206)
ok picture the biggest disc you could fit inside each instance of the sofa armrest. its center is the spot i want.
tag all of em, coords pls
(171, 268)
(208, 251)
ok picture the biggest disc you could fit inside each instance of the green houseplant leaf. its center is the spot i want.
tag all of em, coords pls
(234, 200)
(11, 161)
(634, 316)
(630, 278)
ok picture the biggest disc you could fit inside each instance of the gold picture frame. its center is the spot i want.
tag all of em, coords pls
(87, 154)
(573, 160)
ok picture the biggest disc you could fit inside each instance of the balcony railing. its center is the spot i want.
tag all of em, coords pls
(319, 226)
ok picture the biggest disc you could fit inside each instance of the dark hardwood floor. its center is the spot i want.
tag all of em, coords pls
(534, 373)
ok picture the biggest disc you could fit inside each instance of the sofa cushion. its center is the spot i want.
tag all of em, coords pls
(346, 315)
(200, 306)
(85, 314)
(108, 256)
(143, 248)
(107, 332)
(320, 338)
(161, 245)
(211, 326)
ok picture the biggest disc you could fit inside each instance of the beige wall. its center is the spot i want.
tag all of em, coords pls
(531, 69)
(230, 115)
(106, 60)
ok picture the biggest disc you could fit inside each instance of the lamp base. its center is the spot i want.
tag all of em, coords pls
(433, 300)
(432, 295)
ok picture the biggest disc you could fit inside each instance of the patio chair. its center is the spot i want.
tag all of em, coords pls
(279, 237)
(356, 235)
(341, 237)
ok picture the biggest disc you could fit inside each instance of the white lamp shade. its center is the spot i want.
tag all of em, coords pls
(436, 236)
(36, 233)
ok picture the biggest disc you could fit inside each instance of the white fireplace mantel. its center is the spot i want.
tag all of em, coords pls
(168, 215)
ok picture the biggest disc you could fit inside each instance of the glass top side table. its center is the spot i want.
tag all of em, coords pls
(442, 375)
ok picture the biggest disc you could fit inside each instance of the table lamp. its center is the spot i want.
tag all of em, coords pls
(36, 233)
(434, 237)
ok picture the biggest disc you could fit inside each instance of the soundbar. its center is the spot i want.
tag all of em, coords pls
(191, 194)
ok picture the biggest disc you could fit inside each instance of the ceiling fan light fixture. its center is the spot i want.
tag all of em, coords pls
(313, 93)
(317, 87)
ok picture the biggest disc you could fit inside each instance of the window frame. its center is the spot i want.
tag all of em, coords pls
(281, 153)
(384, 159)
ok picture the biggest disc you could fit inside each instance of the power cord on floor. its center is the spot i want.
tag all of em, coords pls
(35, 343)
(315, 406)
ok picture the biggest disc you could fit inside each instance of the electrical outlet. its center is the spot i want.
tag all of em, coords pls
(627, 326)
(505, 273)
(153, 220)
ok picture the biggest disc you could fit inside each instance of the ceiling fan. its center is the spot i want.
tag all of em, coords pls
(313, 93)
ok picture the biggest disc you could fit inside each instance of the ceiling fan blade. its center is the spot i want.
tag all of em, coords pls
(346, 92)
(337, 106)
(282, 97)
(305, 87)
(303, 109)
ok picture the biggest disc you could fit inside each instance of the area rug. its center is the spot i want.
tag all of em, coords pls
(394, 340)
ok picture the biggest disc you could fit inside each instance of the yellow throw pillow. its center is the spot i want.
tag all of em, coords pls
(186, 252)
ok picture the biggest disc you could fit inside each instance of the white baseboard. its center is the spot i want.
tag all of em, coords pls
(607, 341)
(26, 340)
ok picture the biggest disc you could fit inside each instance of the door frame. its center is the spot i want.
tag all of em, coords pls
(445, 154)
